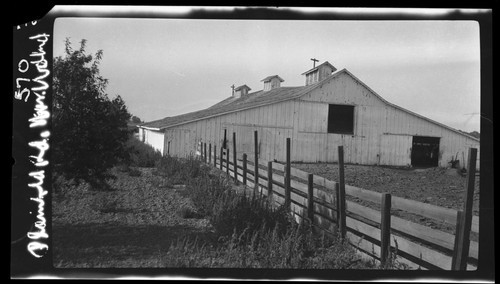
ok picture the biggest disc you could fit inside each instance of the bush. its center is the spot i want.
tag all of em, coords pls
(141, 154)
(91, 129)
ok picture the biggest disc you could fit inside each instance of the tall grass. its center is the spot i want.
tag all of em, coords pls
(296, 248)
(178, 170)
(250, 232)
(141, 154)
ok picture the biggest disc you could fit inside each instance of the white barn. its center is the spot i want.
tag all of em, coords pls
(333, 108)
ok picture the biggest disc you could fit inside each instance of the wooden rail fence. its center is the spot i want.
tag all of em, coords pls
(376, 234)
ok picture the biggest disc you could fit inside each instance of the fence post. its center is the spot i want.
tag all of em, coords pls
(234, 160)
(197, 146)
(270, 182)
(341, 216)
(209, 153)
(456, 250)
(220, 157)
(227, 162)
(205, 152)
(224, 143)
(287, 175)
(385, 227)
(342, 220)
(215, 156)
(256, 161)
(310, 199)
(337, 204)
(462, 240)
(201, 150)
(245, 169)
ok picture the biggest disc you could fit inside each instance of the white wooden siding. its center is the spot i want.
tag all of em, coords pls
(182, 142)
(155, 139)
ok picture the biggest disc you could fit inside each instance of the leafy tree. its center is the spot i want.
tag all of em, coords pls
(90, 129)
(135, 119)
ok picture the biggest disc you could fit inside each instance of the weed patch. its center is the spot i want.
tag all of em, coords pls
(187, 212)
(251, 233)
(178, 171)
(141, 154)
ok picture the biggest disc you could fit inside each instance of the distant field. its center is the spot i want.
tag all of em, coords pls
(437, 186)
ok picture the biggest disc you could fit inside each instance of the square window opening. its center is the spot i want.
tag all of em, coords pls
(341, 119)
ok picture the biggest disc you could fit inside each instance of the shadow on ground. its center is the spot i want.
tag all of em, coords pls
(114, 245)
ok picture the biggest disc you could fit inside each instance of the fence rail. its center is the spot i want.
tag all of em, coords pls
(374, 233)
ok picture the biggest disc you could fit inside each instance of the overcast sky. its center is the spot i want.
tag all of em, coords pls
(166, 67)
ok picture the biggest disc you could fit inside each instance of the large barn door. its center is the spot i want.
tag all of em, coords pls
(425, 151)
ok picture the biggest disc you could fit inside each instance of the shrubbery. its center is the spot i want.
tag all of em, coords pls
(90, 128)
(141, 154)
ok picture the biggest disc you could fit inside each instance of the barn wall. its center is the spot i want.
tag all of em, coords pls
(274, 124)
(382, 133)
(141, 134)
(155, 139)
(179, 142)
(315, 144)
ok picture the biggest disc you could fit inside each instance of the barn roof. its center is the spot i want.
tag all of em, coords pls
(232, 104)
(261, 98)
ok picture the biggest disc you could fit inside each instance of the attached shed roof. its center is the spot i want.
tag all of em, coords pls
(261, 98)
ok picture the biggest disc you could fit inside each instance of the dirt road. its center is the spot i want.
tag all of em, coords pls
(132, 226)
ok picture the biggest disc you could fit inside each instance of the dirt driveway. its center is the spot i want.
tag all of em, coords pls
(132, 226)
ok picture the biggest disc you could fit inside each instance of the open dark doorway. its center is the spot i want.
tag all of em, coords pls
(425, 151)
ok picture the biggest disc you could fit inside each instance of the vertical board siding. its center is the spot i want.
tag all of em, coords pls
(374, 120)
(273, 122)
